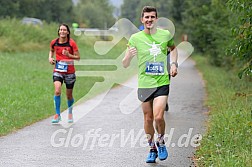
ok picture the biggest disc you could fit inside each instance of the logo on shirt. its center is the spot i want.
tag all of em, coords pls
(155, 49)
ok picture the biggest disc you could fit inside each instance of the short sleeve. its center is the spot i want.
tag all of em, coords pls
(131, 42)
(74, 46)
(170, 43)
(51, 44)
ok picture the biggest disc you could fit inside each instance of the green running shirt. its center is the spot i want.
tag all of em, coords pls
(152, 57)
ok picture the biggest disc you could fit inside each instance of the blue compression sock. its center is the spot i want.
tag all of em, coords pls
(57, 104)
(70, 105)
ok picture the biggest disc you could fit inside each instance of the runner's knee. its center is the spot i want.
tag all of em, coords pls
(159, 119)
(148, 119)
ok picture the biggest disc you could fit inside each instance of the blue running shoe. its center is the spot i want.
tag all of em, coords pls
(56, 119)
(162, 151)
(152, 156)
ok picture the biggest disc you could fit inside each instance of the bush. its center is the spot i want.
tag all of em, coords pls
(16, 36)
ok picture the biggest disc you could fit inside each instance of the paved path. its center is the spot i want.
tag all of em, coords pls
(108, 136)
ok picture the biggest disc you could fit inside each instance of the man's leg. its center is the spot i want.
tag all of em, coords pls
(148, 119)
(149, 130)
(158, 111)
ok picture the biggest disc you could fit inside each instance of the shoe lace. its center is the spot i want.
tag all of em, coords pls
(152, 153)
(162, 149)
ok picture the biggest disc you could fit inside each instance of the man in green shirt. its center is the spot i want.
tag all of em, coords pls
(150, 48)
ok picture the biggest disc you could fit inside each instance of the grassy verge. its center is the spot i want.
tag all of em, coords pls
(228, 139)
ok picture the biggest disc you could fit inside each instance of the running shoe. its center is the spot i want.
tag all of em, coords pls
(56, 119)
(70, 118)
(151, 158)
(162, 151)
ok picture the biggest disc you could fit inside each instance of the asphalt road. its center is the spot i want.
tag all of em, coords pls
(111, 133)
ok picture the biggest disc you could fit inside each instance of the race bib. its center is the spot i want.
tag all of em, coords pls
(154, 68)
(61, 66)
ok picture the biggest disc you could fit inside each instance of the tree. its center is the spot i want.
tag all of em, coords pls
(196, 22)
(48, 10)
(9, 8)
(220, 22)
(55, 11)
(175, 9)
(95, 13)
(242, 45)
(131, 9)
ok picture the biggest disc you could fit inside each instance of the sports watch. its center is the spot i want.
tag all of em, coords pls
(176, 64)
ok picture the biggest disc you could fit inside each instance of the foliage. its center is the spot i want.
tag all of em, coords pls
(9, 8)
(228, 138)
(131, 9)
(95, 14)
(220, 24)
(175, 8)
(88, 13)
(242, 44)
(221, 32)
(48, 10)
(16, 36)
(196, 23)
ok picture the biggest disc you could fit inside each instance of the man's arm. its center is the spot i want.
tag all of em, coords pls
(174, 60)
(130, 53)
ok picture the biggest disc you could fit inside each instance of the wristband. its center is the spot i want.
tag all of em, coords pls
(176, 64)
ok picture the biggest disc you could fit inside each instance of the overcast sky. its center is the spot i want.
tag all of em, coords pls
(116, 3)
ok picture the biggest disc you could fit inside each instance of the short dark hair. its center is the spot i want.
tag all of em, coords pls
(68, 29)
(148, 9)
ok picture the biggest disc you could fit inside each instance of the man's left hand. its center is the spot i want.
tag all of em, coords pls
(174, 70)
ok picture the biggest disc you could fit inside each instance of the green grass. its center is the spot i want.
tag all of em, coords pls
(16, 36)
(27, 89)
(228, 139)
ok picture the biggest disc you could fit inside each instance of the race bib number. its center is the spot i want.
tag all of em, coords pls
(154, 68)
(61, 66)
